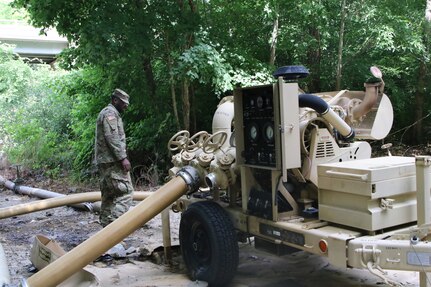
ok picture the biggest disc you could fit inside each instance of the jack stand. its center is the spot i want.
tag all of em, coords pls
(166, 230)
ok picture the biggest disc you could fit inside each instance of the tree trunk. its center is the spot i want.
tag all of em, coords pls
(186, 85)
(172, 88)
(419, 105)
(174, 103)
(420, 95)
(313, 61)
(274, 36)
(193, 6)
(428, 12)
(186, 104)
(340, 46)
(149, 75)
(193, 125)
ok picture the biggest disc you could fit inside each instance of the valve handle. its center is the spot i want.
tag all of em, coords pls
(179, 140)
(214, 142)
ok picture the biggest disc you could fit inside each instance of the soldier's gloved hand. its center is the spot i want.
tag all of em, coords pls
(126, 164)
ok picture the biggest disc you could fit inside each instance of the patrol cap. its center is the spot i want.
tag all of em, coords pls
(122, 95)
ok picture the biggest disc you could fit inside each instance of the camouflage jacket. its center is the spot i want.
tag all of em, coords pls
(110, 145)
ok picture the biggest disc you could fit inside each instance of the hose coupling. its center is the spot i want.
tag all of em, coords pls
(348, 138)
(191, 176)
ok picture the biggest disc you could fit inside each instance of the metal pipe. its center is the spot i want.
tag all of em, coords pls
(40, 193)
(89, 250)
(223, 118)
(4, 271)
(59, 201)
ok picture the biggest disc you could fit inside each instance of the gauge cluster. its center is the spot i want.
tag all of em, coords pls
(259, 130)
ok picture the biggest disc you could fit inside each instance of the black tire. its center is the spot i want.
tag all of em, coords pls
(208, 243)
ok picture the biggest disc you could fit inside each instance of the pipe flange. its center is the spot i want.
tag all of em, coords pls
(191, 176)
(348, 138)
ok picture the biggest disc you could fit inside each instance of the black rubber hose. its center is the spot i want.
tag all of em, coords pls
(314, 102)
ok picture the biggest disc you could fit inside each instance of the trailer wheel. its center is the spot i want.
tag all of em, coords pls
(208, 243)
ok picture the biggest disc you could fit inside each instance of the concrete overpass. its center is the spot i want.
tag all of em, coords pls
(29, 44)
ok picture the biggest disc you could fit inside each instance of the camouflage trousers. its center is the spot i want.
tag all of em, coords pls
(117, 192)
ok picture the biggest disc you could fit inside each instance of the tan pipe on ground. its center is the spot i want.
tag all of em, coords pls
(59, 201)
(92, 248)
(42, 193)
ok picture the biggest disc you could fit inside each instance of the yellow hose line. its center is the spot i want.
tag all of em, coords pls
(59, 201)
(90, 249)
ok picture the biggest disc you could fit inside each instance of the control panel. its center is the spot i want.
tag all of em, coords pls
(258, 118)
(267, 146)
(258, 107)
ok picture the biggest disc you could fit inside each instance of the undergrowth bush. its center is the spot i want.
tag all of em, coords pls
(47, 116)
(28, 121)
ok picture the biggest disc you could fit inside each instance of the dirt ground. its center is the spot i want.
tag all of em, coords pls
(143, 267)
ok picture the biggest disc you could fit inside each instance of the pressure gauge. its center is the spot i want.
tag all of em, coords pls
(259, 102)
(269, 132)
(268, 102)
(253, 132)
(251, 102)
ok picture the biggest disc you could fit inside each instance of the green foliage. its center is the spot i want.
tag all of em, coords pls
(31, 123)
(48, 116)
(36, 148)
(15, 78)
(204, 64)
(10, 14)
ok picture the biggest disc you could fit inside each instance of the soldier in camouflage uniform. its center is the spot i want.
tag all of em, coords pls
(111, 159)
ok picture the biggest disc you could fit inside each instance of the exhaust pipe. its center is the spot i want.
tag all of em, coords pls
(322, 107)
(187, 181)
(372, 91)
